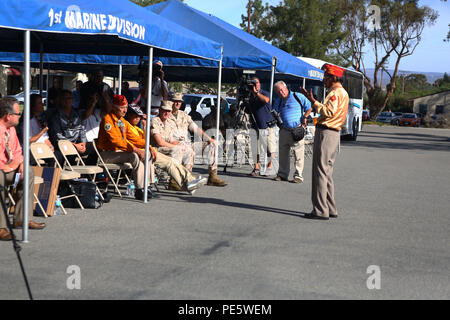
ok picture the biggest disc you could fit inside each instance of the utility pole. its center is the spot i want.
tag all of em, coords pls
(249, 13)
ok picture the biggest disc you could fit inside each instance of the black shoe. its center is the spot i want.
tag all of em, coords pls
(314, 216)
(152, 194)
(333, 216)
(139, 194)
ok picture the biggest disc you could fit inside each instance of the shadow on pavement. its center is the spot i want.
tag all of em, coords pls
(221, 202)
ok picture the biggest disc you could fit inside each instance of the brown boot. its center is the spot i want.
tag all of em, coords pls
(173, 185)
(213, 180)
(5, 235)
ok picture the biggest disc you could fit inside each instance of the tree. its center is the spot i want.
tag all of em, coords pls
(401, 23)
(145, 3)
(309, 28)
(257, 14)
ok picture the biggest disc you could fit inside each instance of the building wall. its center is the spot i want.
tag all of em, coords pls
(432, 101)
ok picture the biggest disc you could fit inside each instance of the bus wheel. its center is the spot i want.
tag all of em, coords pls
(354, 134)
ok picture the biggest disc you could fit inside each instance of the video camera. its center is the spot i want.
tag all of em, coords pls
(143, 70)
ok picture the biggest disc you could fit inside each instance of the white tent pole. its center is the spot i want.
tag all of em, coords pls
(120, 80)
(272, 77)
(41, 68)
(147, 127)
(26, 139)
(272, 80)
(48, 76)
(219, 87)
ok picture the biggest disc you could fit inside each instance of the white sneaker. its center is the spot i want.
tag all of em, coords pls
(196, 183)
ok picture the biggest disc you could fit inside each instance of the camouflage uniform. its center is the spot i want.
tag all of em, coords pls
(184, 124)
(181, 153)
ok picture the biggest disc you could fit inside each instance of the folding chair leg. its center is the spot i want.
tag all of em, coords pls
(40, 205)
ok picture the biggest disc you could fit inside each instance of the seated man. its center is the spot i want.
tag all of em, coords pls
(184, 124)
(163, 132)
(11, 163)
(117, 143)
(66, 124)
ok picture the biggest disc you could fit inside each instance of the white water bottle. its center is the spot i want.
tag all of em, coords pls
(131, 189)
(58, 207)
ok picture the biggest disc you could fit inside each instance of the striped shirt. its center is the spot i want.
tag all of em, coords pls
(291, 112)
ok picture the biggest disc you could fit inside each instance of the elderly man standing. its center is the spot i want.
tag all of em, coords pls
(11, 163)
(119, 144)
(293, 109)
(333, 113)
(184, 124)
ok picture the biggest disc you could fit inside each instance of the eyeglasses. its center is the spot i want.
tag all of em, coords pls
(16, 114)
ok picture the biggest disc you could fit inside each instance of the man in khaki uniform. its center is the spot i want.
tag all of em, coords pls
(163, 131)
(184, 124)
(326, 141)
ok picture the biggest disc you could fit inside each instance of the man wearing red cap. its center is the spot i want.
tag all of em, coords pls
(333, 113)
(119, 144)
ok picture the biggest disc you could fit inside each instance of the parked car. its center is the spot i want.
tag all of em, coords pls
(397, 118)
(386, 117)
(202, 101)
(365, 115)
(21, 96)
(410, 119)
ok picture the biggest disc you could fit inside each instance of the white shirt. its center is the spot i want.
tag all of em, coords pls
(35, 128)
(157, 97)
(92, 125)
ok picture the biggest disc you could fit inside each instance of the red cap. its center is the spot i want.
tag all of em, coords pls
(333, 70)
(120, 100)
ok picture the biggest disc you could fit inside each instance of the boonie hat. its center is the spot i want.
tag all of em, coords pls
(166, 105)
(177, 97)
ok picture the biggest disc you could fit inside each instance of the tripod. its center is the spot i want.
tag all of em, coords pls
(240, 123)
(16, 246)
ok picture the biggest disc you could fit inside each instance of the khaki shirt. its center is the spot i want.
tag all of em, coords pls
(334, 110)
(183, 123)
(165, 129)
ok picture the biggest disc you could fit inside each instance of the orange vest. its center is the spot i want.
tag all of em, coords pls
(112, 134)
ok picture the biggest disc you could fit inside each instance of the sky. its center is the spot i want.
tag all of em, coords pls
(431, 55)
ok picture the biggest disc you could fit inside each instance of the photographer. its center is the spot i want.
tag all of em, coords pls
(294, 109)
(259, 106)
(160, 90)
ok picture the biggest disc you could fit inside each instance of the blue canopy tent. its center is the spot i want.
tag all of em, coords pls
(241, 50)
(113, 27)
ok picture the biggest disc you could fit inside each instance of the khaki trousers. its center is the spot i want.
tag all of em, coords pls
(7, 179)
(182, 154)
(285, 145)
(326, 144)
(179, 173)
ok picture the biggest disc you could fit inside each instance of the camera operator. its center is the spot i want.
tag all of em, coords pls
(160, 89)
(294, 109)
(259, 106)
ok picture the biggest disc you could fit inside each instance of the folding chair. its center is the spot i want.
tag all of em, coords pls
(37, 180)
(41, 151)
(68, 149)
(121, 167)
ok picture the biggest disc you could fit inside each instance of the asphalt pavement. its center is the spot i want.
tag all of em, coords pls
(249, 240)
